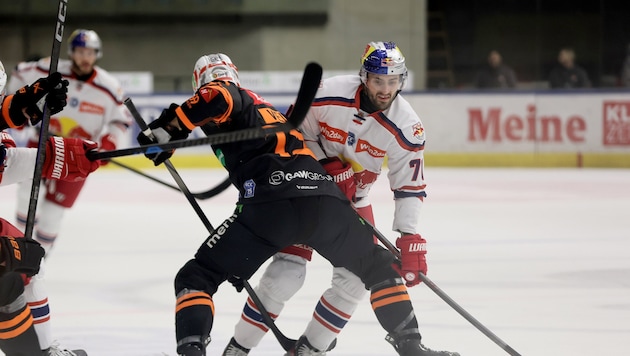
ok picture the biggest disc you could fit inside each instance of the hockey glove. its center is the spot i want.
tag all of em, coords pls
(29, 101)
(343, 176)
(163, 131)
(19, 254)
(107, 144)
(237, 282)
(412, 258)
(66, 160)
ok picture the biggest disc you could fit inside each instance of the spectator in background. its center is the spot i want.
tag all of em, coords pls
(495, 75)
(566, 74)
(625, 70)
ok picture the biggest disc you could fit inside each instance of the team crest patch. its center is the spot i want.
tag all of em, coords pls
(249, 187)
(352, 139)
(418, 131)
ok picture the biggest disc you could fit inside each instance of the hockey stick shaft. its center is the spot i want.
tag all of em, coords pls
(445, 296)
(226, 183)
(305, 96)
(43, 130)
(284, 341)
(169, 166)
(224, 137)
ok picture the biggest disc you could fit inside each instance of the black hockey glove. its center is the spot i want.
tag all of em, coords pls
(30, 100)
(163, 131)
(19, 254)
(237, 282)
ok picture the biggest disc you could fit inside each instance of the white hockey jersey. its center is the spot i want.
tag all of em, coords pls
(94, 108)
(336, 127)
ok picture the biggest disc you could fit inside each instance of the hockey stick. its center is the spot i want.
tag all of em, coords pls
(284, 341)
(312, 74)
(43, 130)
(306, 94)
(169, 166)
(393, 249)
(219, 188)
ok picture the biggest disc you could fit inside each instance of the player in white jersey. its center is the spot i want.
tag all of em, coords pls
(94, 112)
(354, 122)
(24, 313)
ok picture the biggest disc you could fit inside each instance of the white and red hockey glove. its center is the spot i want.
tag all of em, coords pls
(343, 176)
(66, 159)
(412, 258)
(108, 143)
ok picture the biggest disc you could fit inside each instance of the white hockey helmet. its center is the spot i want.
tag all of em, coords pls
(383, 58)
(3, 81)
(85, 38)
(217, 66)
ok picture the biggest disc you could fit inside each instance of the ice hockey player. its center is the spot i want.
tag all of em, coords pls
(95, 112)
(24, 312)
(286, 197)
(354, 122)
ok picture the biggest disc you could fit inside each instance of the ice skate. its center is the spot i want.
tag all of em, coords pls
(234, 349)
(55, 350)
(413, 347)
(304, 348)
(192, 349)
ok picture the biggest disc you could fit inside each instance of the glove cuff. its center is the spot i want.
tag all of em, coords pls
(16, 117)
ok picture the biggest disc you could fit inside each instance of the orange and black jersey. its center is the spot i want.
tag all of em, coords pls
(275, 167)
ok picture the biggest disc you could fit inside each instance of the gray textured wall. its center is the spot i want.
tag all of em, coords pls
(170, 50)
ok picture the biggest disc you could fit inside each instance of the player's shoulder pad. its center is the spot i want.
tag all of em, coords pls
(407, 120)
(339, 86)
(108, 82)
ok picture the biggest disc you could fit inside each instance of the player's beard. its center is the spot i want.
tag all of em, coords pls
(381, 101)
(82, 67)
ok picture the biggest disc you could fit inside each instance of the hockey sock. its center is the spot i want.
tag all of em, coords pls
(17, 334)
(194, 315)
(394, 310)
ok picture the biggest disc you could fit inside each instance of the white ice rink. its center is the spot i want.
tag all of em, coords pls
(541, 257)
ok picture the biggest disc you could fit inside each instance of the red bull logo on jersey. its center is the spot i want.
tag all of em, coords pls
(418, 131)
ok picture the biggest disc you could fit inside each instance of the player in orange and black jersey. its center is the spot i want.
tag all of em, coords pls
(262, 162)
(286, 197)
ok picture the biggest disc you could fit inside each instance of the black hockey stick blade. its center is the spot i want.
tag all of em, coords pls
(308, 89)
(429, 283)
(219, 188)
(306, 94)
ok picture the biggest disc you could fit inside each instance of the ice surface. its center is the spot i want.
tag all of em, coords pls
(541, 257)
